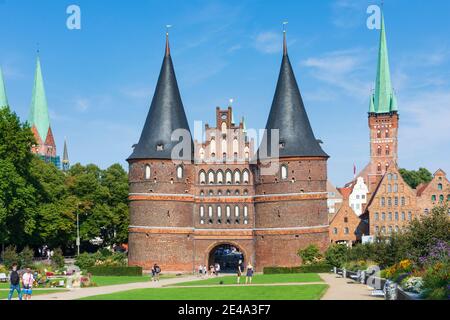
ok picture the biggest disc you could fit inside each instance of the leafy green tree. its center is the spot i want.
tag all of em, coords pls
(414, 178)
(10, 256)
(26, 257)
(17, 191)
(336, 255)
(58, 259)
(310, 254)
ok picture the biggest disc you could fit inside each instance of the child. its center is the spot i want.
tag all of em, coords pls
(249, 276)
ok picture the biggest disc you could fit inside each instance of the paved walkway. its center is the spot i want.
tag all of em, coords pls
(345, 289)
(75, 294)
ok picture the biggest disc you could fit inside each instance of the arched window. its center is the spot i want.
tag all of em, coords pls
(237, 214)
(212, 148)
(433, 198)
(379, 134)
(335, 231)
(202, 153)
(396, 216)
(387, 150)
(379, 151)
(245, 192)
(245, 176)
(219, 212)
(383, 201)
(237, 177)
(284, 172)
(390, 229)
(403, 216)
(202, 215)
(247, 153)
(202, 177)
(440, 186)
(379, 167)
(441, 198)
(387, 133)
(224, 128)
(390, 216)
(403, 201)
(235, 145)
(228, 209)
(377, 216)
(389, 188)
(383, 216)
(245, 215)
(148, 172)
(210, 214)
(237, 192)
(346, 230)
(224, 147)
(229, 177)
(211, 178)
(220, 177)
(180, 172)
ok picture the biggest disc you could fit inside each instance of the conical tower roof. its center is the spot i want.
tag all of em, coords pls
(3, 97)
(166, 115)
(39, 117)
(384, 100)
(65, 153)
(289, 116)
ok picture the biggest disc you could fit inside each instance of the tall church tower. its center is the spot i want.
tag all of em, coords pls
(383, 115)
(39, 121)
(291, 204)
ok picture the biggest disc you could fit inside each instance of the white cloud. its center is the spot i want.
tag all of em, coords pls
(268, 42)
(347, 70)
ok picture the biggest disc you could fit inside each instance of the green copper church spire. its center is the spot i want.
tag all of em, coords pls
(3, 98)
(383, 101)
(39, 117)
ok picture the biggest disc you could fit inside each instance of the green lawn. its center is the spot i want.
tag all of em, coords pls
(36, 292)
(113, 280)
(258, 279)
(4, 285)
(304, 292)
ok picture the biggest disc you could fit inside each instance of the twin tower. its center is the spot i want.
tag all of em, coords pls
(189, 211)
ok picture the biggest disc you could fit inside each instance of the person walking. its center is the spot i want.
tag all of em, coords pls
(153, 272)
(157, 272)
(217, 269)
(27, 283)
(239, 271)
(205, 271)
(200, 271)
(14, 280)
(250, 271)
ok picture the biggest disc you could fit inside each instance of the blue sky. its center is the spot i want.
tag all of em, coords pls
(100, 79)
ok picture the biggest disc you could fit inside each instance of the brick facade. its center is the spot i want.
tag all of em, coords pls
(180, 212)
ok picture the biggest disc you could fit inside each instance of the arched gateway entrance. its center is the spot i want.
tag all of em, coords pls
(228, 256)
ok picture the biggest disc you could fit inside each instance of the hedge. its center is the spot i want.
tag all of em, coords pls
(115, 271)
(300, 269)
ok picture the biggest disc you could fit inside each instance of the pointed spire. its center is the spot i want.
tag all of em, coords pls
(285, 52)
(3, 97)
(166, 115)
(39, 117)
(244, 125)
(384, 96)
(167, 40)
(65, 161)
(289, 116)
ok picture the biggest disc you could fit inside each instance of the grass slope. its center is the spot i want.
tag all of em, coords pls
(304, 292)
(257, 279)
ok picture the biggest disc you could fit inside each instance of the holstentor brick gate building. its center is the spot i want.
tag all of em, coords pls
(181, 211)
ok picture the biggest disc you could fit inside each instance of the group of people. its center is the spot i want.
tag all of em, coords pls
(22, 284)
(156, 271)
(214, 270)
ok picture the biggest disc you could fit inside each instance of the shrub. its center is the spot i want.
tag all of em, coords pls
(58, 259)
(101, 258)
(412, 284)
(115, 271)
(10, 257)
(436, 282)
(336, 255)
(358, 265)
(26, 257)
(310, 254)
(86, 260)
(3, 269)
(313, 268)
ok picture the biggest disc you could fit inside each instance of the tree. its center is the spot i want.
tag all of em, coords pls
(17, 191)
(415, 178)
(336, 255)
(310, 254)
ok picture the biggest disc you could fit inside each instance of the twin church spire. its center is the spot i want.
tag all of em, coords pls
(3, 97)
(166, 114)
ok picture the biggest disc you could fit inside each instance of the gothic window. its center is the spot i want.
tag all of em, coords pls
(211, 193)
(220, 177)
(245, 215)
(441, 198)
(390, 216)
(396, 216)
(210, 213)
(202, 193)
(396, 201)
(379, 134)
(440, 186)
(237, 214)
(247, 153)
(148, 172)
(237, 192)
(246, 192)
(219, 214)
(389, 177)
(379, 167)
(433, 198)
(235, 146)
(403, 201)
(224, 147)
(245, 176)
(389, 188)
(228, 209)
(224, 127)
(180, 172)
(237, 177)
(228, 193)
(213, 148)
(383, 216)
(202, 153)
(379, 151)
(387, 150)
(228, 177)
(395, 187)
(284, 172)
(211, 179)
(202, 215)
(383, 201)
(403, 216)
(389, 202)
(202, 177)
(377, 216)
(387, 133)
